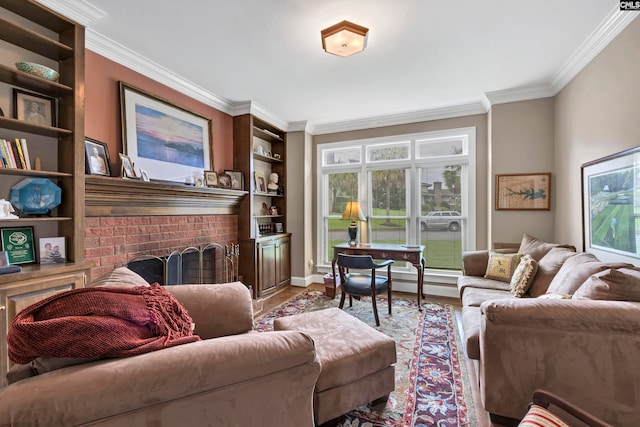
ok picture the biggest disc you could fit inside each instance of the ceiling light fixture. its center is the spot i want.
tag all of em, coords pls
(344, 39)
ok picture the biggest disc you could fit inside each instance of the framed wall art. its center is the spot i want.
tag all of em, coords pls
(169, 142)
(531, 191)
(18, 243)
(610, 200)
(34, 108)
(96, 157)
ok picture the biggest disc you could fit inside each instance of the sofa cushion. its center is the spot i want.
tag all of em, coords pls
(501, 266)
(473, 297)
(548, 267)
(120, 276)
(613, 285)
(471, 326)
(468, 282)
(523, 276)
(576, 270)
(534, 247)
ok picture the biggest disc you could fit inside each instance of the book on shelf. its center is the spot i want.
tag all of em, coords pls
(14, 154)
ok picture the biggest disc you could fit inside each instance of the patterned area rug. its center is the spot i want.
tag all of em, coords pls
(432, 386)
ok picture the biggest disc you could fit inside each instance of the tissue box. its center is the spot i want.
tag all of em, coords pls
(330, 286)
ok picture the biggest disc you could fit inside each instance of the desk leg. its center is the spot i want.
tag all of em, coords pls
(420, 268)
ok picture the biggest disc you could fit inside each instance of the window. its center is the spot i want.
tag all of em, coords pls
(413, 189)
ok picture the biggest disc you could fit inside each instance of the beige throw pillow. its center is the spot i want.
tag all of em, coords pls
(523, 275)
(501, 266)
(534, 247)
(548, 267)
(121, 276)
(612, 285)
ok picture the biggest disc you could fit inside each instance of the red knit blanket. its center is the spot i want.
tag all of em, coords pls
(100, 322)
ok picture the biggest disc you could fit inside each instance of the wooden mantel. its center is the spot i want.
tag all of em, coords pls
(108, 196)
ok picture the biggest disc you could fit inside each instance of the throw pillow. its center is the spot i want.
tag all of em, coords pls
(548, 267)
(523, 276)
(121, 276)
(612, 285)
(551, 295)
(534, 247)
(576, 270)
(537, 416)
(501, 266)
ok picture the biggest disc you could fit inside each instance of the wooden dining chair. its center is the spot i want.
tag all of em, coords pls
(363, 284)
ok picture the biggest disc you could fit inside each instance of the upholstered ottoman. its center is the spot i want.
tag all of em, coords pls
(356, 360)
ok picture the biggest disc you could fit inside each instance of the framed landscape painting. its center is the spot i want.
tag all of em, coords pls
(169, 142)
(529, 191)
(610, 206)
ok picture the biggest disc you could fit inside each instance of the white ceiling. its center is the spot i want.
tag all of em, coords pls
(422, 55)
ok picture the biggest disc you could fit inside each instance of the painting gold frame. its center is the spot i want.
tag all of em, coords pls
(526, 191)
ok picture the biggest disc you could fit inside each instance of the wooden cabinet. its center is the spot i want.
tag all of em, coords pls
(15, 295)
(33, 33)
(266, 263)
(259, 152)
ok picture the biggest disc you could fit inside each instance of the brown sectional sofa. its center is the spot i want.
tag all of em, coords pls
(585, 348)
(233, 377)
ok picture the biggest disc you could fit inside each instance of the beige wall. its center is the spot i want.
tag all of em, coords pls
(521, 141)
(596, 114)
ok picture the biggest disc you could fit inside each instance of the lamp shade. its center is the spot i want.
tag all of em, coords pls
(353, 212)
(344, 38)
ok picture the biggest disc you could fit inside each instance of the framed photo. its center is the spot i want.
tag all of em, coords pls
(610, 224)
(127, 167)
(34, 108)
(211, 178)
(169, 142)
(261, 183)
(224, 181)
(4, 259)
(52, 250)
(144, 175)
(17, 242)
(96, 157)
(531, 191)
(237, 181)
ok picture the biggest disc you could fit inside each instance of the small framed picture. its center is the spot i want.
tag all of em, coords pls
(261, 183)
(237, 181)
(144, 175)
(18, 243)
(523, 191)
(211, 178)
(34, 108)
(224, 181)
(127, 167)
(52, 250)
(97, 157)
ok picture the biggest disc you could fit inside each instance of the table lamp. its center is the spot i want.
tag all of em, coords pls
(353, 213)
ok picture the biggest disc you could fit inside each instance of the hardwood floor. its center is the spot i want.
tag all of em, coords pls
(266, 304)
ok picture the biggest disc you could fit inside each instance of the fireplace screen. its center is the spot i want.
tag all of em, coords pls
(213, 263)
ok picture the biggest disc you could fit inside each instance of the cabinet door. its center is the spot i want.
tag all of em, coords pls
(19, 295)
(267, 271)
(284, 262)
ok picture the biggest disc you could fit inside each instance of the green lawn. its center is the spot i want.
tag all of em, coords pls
(602, 233)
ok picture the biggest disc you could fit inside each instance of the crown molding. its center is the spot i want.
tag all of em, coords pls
(519, 94)
(608, 29)
(300, 126)
(77, 10)
(401, 119)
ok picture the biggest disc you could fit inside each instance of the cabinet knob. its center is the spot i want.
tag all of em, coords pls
(2, 308)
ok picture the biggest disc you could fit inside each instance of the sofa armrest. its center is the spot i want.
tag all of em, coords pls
(583, 350)
(474, 263)
(217, 310)
(183, 385)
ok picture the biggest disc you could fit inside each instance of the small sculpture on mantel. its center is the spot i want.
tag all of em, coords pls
(6, 210)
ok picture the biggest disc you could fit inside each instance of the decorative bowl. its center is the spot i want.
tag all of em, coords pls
(38, 70)
(35, 196)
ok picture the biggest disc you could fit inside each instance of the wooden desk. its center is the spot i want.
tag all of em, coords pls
(412, 254)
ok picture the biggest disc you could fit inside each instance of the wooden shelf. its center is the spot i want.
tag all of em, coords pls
(36, 219)
(266, 135)
(34, 12)
(31, 172)
(109, 196)
(19, 78)
(22, 126)
(30, 40)
(266, 158)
